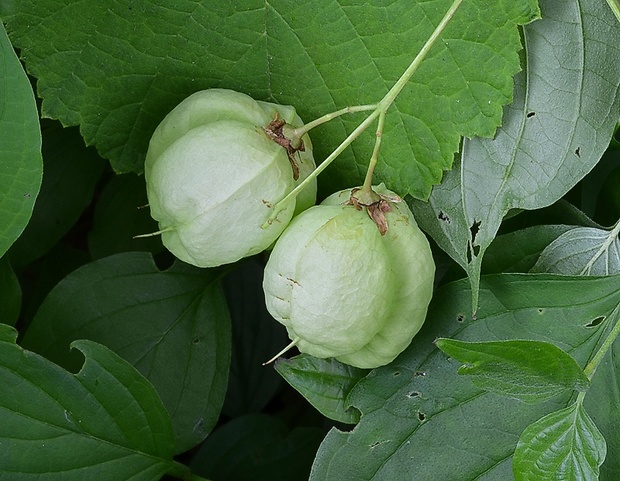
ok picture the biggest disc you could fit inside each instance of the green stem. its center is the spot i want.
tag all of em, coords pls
(611, 238)
(304, 129)
(381, 107)
(590, 369)
(367, 187)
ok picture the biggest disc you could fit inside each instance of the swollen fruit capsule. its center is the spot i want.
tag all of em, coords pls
(214, 173)
(345, 290)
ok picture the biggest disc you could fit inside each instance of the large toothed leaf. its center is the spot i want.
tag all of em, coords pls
(106, 422)
(562, 119)
(123, 65)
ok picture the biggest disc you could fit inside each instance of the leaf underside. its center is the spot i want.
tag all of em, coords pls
(564, 112)
(582, 251)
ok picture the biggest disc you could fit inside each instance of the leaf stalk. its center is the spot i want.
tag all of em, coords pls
(379, 109)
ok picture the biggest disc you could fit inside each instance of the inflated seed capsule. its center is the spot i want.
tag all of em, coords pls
(214, 170)
(351, 285)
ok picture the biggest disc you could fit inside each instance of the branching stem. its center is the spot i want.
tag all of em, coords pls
(300, 131)
(379, 109)
(367, 187)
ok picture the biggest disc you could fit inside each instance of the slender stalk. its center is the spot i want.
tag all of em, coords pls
(281, 205)
(607, 343)
(287, 348)
(367, 187)
(615, 7)
(381, 107)
(299, 131)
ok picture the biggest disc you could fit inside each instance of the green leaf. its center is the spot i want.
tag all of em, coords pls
(117, 78)
(71, 174)
(21, 168)
(563, 445)
(532, 371)
(256, 336)
(106, 422)
(119, 216)
(518, 251)
(10, 294)
(257, 447)
(583, 251)
(325, 383)
(173, 326)
(421, 420)
(564, 113)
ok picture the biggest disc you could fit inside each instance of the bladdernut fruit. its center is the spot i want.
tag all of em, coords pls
(216, 166)
(343, 288)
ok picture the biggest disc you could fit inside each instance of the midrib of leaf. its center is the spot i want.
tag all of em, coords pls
(609, 240)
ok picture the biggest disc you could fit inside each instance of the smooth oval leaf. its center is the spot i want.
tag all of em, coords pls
(106, 422)
(256, 447)
(421, 420)
(10, 294)
(21, 167)
(532, 371)
(582, 251)
(563, 445)
(120, 214)
(325, 383)
(71, 175)
(173, 326)
(256, 337)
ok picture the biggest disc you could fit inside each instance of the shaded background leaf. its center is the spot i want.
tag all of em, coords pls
(20, 146)
(119, 215)
(10, 294)
(257, 447)
(564, 113)
(582, 251)
(518, 251)
(420, 417)
(71, 175)
(173, 326)
(256, 336)
(106, 422)
(123, 66)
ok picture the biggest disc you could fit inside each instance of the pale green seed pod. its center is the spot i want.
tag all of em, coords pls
(344, 290)
(213, 177)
